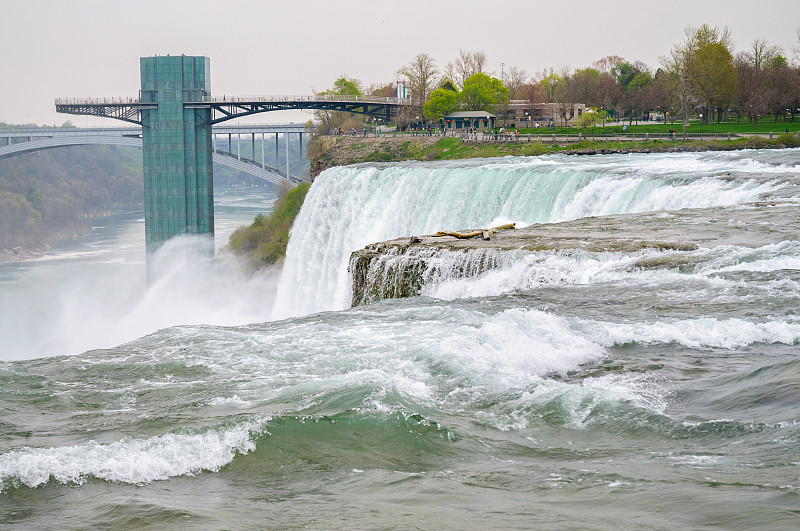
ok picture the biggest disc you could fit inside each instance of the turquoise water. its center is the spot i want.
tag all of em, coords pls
(569, 389)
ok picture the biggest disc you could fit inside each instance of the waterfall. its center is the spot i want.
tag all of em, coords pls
(352, 206)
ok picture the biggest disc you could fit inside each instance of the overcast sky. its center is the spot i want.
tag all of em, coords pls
(90, 48)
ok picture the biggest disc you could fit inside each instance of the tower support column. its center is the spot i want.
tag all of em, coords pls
(177, 146)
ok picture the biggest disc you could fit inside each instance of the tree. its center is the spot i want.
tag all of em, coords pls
(796, 49)
(607, 63)
(665, 93)
(755, 91)
(549, 82)
(586, 82)
(638, 94)
(448, 84)
(420, 76)
(782, 80)
(566, 95)
(482, 93)
(590, 118)
(681, 60)
(343, 86)
(624, 72)
(608, 92)
(714, 82)
(441, 102)
(533, 93)
(384, 91)
(514, 80)
(466, 64)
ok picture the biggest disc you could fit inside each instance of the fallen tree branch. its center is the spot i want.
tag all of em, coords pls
(485, 233)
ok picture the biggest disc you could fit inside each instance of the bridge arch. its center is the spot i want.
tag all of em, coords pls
(244, 165)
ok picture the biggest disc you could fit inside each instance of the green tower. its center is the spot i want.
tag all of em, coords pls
(178, 179)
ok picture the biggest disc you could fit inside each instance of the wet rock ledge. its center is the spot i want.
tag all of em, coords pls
(400, 268)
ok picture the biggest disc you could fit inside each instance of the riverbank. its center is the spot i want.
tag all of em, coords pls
(329, 151)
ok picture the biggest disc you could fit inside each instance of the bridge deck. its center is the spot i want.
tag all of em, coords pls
(129, 109)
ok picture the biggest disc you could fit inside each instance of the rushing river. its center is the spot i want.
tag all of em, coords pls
(568, 388)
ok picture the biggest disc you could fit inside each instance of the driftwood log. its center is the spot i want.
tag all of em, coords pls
(484, 233)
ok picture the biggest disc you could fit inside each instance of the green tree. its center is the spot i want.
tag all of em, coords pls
(590, 118)
(638, 94)
(448, 84)
(682, 61)
(714, 80)
(441, 102)
(345, 86)
(550, 83)
(624, 72)
(586, 82)
(329, 120)
(482, 93)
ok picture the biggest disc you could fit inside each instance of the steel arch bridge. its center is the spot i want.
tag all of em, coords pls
(222, 109)
(38, 139)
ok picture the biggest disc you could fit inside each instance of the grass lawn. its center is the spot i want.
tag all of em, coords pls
(765, 125)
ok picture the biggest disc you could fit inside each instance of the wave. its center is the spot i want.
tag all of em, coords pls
(352, 435)
(135, 461)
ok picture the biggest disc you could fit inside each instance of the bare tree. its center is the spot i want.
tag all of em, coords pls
(796, 49)
(466, 64)
(420, 74)
(608, 91)
(449, 72)
(607, 63)
(760, 53)
(515, 79)
(756, 92)
(479, 62)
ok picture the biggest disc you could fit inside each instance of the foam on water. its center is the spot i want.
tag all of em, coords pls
(136, 461)
(704, 332)
(519, 270)
(498, 366)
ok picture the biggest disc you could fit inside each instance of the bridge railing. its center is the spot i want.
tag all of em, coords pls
(99, 101)
(319, 97)
(241, 99)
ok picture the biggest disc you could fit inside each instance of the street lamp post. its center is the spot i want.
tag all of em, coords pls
(701, 125)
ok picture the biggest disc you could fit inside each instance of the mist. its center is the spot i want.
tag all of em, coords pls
(94, 301)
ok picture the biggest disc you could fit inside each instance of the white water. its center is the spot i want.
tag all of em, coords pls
(350, 207)
(440, 357)
(520, 270)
